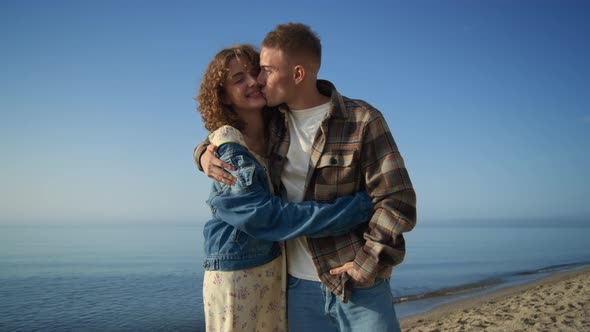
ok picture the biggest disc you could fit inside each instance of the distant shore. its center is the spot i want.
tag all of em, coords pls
(559, 302)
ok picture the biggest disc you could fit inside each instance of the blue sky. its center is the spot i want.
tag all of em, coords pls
(487, 100)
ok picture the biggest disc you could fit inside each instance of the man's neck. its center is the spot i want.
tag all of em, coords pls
(308, 98)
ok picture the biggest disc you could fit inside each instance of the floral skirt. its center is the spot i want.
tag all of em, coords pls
(246, 300)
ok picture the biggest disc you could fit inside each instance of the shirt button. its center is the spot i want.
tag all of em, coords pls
(333, 161)
(206, 264)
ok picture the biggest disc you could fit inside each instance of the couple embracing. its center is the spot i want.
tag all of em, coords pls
(311, 196)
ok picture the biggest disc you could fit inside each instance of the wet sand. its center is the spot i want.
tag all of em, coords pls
(560, 302)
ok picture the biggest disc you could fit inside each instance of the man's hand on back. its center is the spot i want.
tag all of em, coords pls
(215, 168)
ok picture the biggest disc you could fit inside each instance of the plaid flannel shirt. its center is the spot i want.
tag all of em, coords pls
(353, 150)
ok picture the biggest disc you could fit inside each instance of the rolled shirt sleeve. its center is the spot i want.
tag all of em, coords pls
(388, 183)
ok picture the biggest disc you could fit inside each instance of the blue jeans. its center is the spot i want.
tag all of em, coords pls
(312, 307)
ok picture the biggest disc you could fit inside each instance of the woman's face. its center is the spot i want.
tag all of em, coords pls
(242, 91)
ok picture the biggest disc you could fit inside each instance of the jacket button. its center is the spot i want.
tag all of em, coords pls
(206, 264)
(333, 161)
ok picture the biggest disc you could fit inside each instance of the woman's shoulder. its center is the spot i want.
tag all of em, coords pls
(226, 134)
(229, 142)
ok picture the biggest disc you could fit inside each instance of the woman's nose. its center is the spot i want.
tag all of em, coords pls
(252, 80)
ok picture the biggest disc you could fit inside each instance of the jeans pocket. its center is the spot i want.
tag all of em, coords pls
(378, 282)
(293, 282)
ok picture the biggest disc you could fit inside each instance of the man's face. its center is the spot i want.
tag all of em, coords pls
(275, 76)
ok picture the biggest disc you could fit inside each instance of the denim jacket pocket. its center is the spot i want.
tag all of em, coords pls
(238, 237)
(244, 174)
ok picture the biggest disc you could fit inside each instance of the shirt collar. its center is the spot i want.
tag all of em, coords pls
(338, 108)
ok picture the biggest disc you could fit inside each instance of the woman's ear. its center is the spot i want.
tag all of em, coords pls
(225, 100)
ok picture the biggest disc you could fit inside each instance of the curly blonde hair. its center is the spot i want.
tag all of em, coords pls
(213, 112)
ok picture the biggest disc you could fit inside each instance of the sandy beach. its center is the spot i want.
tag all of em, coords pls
(560, 302)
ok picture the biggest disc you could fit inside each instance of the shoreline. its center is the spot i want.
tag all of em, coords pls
(559, 301)
(413, 304)
(494, 283)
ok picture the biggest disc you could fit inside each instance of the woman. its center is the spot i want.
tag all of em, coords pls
(243, 287)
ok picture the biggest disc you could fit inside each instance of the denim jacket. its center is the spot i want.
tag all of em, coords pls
(247, 219)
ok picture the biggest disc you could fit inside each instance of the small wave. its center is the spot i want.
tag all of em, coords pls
(451, 291)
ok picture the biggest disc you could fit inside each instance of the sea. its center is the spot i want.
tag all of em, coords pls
(134, 277)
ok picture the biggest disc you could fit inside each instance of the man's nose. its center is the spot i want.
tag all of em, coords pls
(261, 78)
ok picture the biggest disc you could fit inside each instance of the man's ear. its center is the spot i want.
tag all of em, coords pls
(298, 74)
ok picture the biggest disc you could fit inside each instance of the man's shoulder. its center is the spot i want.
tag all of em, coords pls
(360, 109)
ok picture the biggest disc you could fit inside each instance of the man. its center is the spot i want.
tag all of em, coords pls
(325, 146)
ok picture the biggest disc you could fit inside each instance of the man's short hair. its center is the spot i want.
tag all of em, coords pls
(295, 39)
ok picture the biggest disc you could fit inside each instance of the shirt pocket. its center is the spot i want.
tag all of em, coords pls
(336, 174)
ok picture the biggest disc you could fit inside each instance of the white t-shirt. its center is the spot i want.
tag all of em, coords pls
(303, 126)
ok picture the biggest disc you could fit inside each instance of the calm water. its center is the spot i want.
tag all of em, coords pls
(137, 277)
